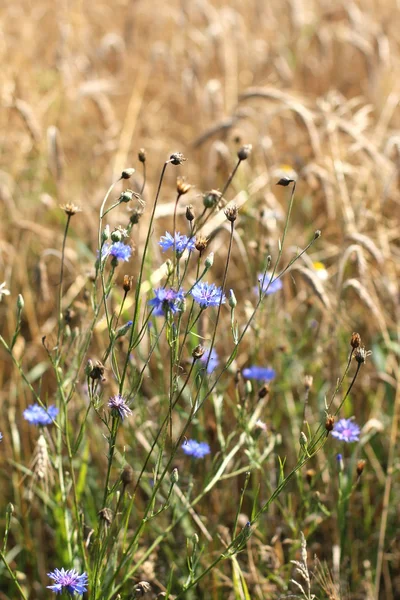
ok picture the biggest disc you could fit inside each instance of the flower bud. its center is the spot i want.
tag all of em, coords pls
(209, 260)
(116, 236)
(142, 155)
(232, 299)
(174, 475)
(105, 234)
(329, 423)
(355, 341)
(127, 173)
(198, 352)
(244, 152)
(189, 213)
(20, 303)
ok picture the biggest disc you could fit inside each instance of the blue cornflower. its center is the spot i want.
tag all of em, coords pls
(119, 407)
(37, 415)
(212, 363)
(70, 581)
(260, 373)
(181, 242)
(346, 431)
(275, 286)
(196, 449)
(166, 299)
(118, 250)
(207, 294)
(1, 436)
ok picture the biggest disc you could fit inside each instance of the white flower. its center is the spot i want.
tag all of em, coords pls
(3, 290)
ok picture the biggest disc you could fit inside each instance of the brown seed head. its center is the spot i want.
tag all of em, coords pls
(182, 187)
(264, 391)
(127, 173)
(189, 213)
(177, 158)
(142, 155)
(244, 152)
(106, 515)
(127, 285)
(329, 423)
(136, 215)
(70, 209)
(200, 243)
(361, 354)
(355, 341)
(231, 212)
(360, 467)
(127, 475)
(97, 371)
(198, 352)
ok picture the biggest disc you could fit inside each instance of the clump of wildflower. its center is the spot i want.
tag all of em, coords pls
(36, 415)
(266, 286)
(119, 407)
(207, 294)
(179, 242)
(259, 373)
(213, 361)
(166, 300)
(69, 581)
(346, 430)
(196, 449)
(118, 250)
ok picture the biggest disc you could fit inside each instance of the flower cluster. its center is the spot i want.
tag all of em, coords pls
(179, 242)
(37, 415)
(119, 407)
(259, 373)
(346, 430)
(118, 250)
(206, 294)
(69, 581)
(196, 449)
(166, 300)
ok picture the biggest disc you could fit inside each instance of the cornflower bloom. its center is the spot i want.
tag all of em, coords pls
(166, 300)
(207, 294)
(118, 250)
(119, 407)
(212, 363)
(196, 449)
(259, 373)
(346, 431)
(180, 242)
(37, 415)
(69, 581)
(275, 286)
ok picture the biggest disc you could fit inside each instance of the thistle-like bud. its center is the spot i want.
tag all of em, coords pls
(123, 330)
(116, 236)
(231, 212)
(127, 173)
(232, 299)
(177, 158)
(361, 355)
(20, 303)
(127, 284)
(198, 352)
(211, 198)
(355, 341)
(360, 467)
(329, 423)
(208, 263)
(97, 371)
(142, 155)
(136, 215)
(174, 475)
(105, 235)
(189, 213)
(106, 515)
(127, 475)
(244, 152)
(200, 243)
(182, 187)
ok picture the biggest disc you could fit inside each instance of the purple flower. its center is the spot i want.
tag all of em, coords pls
(166, 300)
(196, 449)
(267, 287)
(212, 363)
(119, 407)
(37, 415)
(207, 294)
(118, 250)
(346, 431)
(70, 581)
(181, 242)
(260, 373)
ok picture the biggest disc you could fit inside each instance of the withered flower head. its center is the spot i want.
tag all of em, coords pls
(329, 423)
(141, 588)
(361, 354)
(136, 215)
(355, 341)
(128, 195)
(182, 187)
(70, 209)
(360, 467)
(127, 285)
(231, 212)
(177, 158)
(198, 352)
(244, 152)
(106, 515)
(97, 371)
(189, 213)
(142, 155)
(200, 243)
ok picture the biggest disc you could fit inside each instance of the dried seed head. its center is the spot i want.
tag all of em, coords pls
(70, 209)
(244, 152)
(308, 381)
(127, 284)
(127, 475)
(317, 234)
(200, 243)
(181, 186)
(106, 515)
(127, 173)
(310, 474)
(264, 391)
(189, 213)
(361, 354)
(231, 212)
(329, 423)
(136, 215)
(284, 181)
(141, 589)
(355, 341)
(360, 467)
(142, 155)
(198, 352)
(211, 198)
(97, 371)
(177, 158)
